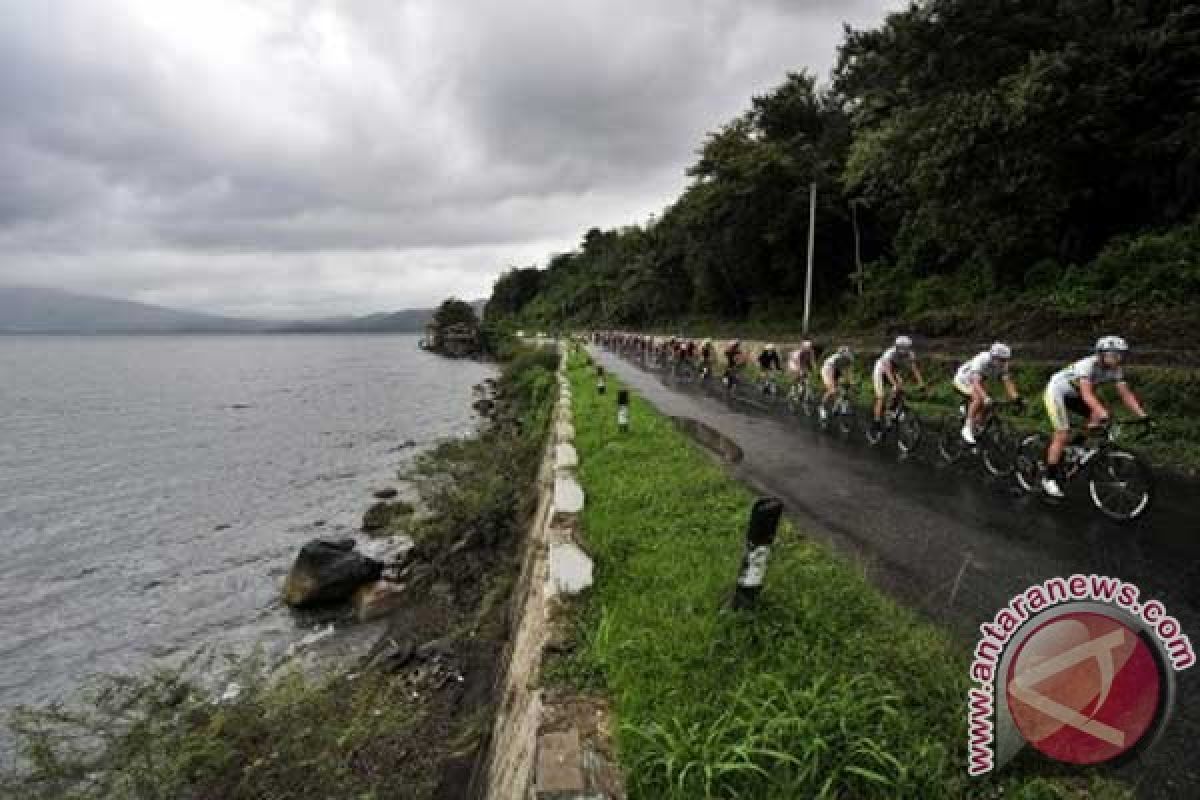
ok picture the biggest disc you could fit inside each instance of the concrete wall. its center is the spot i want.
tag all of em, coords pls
(550, 744)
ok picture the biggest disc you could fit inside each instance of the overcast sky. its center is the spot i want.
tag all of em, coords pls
(315, 157)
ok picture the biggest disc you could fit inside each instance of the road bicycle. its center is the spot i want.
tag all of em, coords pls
(1120, 484)
(996, 441)
(803, 398)
(899, 419)
(730, 382)
(768, 389)
(683, 371)
(840, 412)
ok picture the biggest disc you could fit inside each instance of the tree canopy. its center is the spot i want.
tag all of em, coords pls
(983, 147)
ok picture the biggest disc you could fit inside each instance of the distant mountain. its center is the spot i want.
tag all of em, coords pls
(412, 321)
(30, 310)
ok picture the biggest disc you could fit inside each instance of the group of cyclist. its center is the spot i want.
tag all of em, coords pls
(1071, 390)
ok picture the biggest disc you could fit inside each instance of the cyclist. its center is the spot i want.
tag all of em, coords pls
(971, 381)
(733, 354)
(706, 357)
(733, 360)
(769, 362)
(801, 360)
(887, 373)
(832, 371)
(1073, 389)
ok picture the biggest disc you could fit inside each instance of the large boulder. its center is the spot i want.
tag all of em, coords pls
(328, 572)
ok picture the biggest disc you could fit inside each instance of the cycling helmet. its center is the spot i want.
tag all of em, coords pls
(806, 344)
(845, 350)
(769, 347)
(1111, 344)
(904, 342)
(1000, 350)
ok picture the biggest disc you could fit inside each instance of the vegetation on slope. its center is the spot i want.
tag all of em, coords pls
(978, 154)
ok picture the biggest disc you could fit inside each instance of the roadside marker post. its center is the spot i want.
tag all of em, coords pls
(601, 388)
(760, 536)
(623, 410)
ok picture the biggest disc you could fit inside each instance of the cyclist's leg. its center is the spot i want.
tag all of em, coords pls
(967, 390)
(829, 377)
(880, 382)
(1060, 420)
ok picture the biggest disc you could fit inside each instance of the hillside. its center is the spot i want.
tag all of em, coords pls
(1027, 166)
(35, 310)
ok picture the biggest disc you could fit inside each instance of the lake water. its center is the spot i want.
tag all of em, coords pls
(123, 458)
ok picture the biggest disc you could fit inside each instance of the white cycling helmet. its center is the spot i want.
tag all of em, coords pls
(845, 350)
(1000, 350)
(806, 344)
(904, 342)
(1111, 344)
(769, 347)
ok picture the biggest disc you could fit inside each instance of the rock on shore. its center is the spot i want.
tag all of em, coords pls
(327, 572)
(381, 514)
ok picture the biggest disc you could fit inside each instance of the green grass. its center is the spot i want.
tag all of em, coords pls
(162, 736)
(829, 689)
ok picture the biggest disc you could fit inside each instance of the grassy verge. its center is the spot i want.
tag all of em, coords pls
(410, 730)
(828, 690)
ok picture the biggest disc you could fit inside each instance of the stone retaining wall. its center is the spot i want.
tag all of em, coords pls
(550, 744)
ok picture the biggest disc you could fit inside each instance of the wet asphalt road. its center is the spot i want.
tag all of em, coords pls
(958, 547)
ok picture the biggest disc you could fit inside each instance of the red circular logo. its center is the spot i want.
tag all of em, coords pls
(1084, 688)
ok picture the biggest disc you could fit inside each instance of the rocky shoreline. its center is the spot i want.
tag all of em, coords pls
(428, 611)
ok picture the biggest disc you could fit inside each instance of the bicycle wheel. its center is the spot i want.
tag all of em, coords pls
(1120, 484)
(1030, 462)
(795, 401)
(950, 443)
(999, 449)
(825, 420)
(809, 401)
(908, 432)
(844, 422)
(873, 433)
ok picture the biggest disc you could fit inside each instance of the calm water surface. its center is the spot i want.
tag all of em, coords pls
(123, 458)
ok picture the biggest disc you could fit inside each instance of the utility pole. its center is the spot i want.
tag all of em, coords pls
(812, 232)
(857, 247)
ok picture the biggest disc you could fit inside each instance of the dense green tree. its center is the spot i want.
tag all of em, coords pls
(512, 292)
(975, 146)
(453, 311)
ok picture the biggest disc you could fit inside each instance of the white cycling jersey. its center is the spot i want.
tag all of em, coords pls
(798, 359)
(837, 361)
(1066, 381)
(896, 357)
(983, 365)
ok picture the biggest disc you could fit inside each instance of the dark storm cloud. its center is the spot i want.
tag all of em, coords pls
(303, 156)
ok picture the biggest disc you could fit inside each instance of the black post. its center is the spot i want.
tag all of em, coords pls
(600, 383)
(623, 409)
(760, 535)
